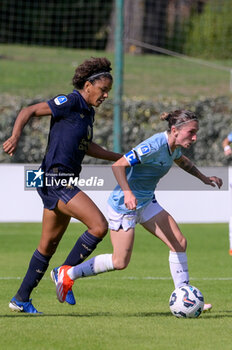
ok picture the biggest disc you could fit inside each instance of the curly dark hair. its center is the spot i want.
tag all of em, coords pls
(91, 67)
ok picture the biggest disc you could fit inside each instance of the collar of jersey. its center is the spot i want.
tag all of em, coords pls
(82, 101)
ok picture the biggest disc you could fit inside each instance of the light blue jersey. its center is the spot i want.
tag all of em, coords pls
(230, 137)
(149, 161)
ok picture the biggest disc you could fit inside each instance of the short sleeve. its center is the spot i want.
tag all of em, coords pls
(144, 151)
(62, 104)
(132, 157)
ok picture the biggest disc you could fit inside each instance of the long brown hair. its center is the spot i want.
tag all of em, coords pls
(178, 118)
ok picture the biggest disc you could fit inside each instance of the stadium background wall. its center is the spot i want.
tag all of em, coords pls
(195, 204)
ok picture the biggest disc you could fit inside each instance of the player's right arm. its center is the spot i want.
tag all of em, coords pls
(37, 110)
(119, 170)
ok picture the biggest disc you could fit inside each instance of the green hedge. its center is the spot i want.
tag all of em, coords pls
(140, 121)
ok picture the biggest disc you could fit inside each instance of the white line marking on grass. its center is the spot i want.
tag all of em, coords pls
(169, 278)
(139, 278)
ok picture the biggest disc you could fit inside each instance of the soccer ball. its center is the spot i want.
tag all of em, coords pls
(187, 302)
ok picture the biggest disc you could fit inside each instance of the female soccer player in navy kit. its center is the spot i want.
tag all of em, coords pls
(70, 138)
(133, 201)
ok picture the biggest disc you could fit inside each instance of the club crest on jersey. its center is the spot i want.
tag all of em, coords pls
(143, 150)
(59, 100)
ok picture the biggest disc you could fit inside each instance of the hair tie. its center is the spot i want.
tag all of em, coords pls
(98, 75)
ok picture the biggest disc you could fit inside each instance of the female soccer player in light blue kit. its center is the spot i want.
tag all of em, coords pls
(133, 201)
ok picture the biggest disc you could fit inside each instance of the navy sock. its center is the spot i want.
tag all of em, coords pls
(84, 246)
(37, 268)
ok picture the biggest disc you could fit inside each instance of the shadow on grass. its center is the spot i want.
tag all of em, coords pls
(209, 315)
(218, 314)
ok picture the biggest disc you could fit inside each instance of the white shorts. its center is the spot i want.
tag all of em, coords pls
(126, 221)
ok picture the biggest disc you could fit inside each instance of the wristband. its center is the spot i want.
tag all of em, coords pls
(226, 148)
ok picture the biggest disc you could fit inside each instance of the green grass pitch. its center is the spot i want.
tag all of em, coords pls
(119, 310)
(30, 71)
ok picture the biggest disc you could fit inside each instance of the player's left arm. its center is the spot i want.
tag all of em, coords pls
(186, 164)
(97, 151)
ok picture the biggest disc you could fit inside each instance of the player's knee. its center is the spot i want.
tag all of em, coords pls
(183, 243)
(99, 228)
(48, 248)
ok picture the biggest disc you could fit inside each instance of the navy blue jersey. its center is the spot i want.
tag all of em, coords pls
(71, 131)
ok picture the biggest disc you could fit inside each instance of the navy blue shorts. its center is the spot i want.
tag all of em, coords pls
(50, 195)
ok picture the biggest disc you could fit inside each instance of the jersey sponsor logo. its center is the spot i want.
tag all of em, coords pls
(131, 158)
(144, 150)
(59, 100)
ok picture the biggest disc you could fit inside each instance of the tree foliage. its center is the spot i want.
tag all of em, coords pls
(211, 33)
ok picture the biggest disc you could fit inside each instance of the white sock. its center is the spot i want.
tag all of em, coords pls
(98, 264)
(179, 268)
